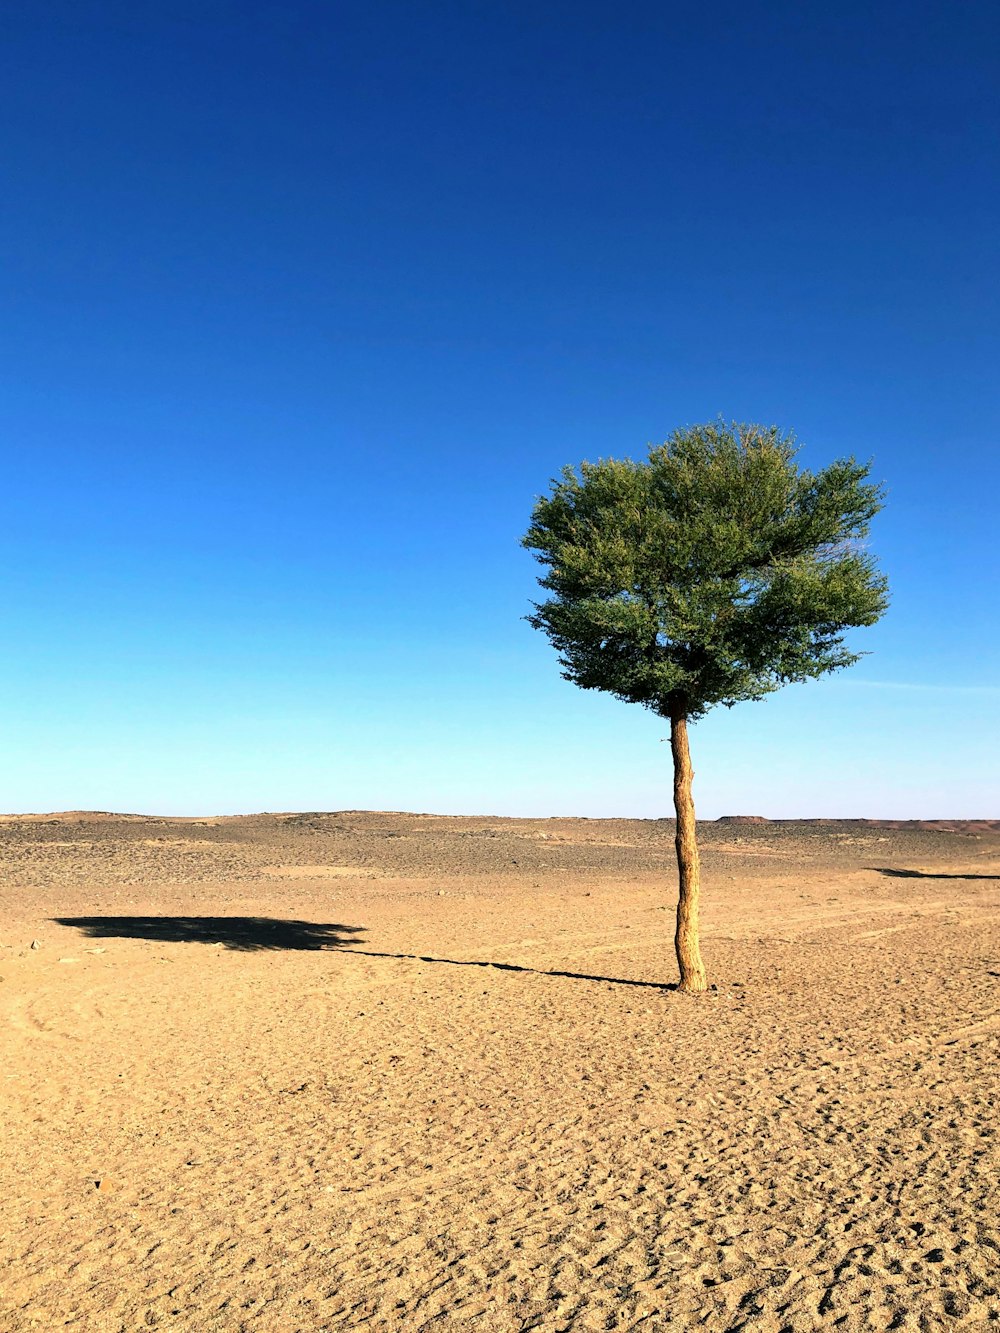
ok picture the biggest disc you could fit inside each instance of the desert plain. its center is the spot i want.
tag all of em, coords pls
(411, 1072)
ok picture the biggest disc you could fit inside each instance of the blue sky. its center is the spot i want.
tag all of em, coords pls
(306, 303)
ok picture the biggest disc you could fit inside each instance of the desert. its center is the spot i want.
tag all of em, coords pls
(396, 1071)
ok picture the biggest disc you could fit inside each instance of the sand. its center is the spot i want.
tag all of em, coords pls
(400, 1072)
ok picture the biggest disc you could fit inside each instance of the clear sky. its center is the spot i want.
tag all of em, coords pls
(306, 302)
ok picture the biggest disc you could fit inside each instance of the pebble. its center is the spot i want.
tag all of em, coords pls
(956, 1304)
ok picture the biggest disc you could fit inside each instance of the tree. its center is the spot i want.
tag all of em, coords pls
(712, 573)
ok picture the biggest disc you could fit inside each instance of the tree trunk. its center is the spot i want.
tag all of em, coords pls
(688, 867)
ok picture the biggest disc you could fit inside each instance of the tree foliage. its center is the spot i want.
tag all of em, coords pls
(714, 572)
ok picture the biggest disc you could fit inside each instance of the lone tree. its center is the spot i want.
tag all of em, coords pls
(712, 573)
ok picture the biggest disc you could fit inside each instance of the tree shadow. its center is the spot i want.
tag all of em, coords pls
(246, 933)
(254, 933)
(520, 967)
(924, 874)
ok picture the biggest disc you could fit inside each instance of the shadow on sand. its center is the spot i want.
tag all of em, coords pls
(520, 967)
(252, 933)
(248, 933)
(923, 874)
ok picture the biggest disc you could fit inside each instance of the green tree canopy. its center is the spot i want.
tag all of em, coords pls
(714, 572)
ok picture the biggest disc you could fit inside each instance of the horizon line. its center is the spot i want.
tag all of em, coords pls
(432, 814)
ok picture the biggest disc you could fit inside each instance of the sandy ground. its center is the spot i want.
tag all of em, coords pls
(400, 1072)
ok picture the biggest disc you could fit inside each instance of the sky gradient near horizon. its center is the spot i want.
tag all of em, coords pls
(307, 303)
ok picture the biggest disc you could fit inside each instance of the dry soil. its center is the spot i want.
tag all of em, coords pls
(403, 1072)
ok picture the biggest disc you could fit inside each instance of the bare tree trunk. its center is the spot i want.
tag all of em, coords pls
(688, 866)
